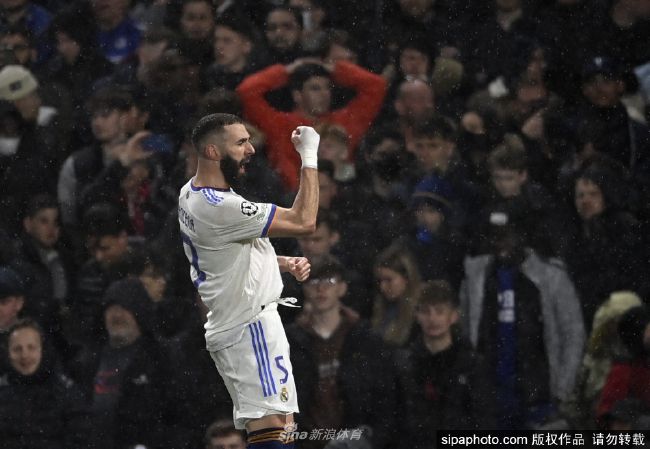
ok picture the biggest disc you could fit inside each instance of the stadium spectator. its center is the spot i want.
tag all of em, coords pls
(398, 280)
(126, 378)
(223, 435)
(118, 35)
(41, 406)
(311, 91)
(522, 313)
(12, 301)
(445, 382)
(331, 348)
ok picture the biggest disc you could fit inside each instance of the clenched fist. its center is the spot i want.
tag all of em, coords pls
(305, 139)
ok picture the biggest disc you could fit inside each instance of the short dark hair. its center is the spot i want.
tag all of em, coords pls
(305, 72)
(295, 12)
(437, 292)
(39, 202)
(221, 428)
(27, 323)
(509, 155)
(210, 124)
(437, 126)
(110, 98)
(237, 23)
(103, 219)
(338, 37)
(326, 267)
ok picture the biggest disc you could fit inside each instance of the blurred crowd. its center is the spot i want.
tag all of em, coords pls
(481, 254)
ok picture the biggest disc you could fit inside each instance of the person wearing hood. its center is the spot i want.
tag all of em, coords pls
(126, 378)
(41, 406)
(629, 378)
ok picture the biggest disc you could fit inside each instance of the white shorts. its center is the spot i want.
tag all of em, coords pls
(257, 370)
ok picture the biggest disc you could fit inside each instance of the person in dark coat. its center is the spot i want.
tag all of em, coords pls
(12, 301)
(444, 384)
(40, 406)
(126, 379)
(343, 371)
(45, 265)
(606, 251)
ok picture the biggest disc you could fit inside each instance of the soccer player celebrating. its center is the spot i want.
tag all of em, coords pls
(237, 273)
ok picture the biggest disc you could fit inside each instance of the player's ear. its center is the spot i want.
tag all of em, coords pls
(211, 152)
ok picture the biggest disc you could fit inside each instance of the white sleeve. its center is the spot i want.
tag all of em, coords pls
(242, 220)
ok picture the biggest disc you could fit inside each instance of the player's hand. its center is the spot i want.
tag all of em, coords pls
(299, 267)
(305, 139)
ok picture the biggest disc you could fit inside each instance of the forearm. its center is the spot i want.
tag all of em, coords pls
(305, 205)
(283, 263)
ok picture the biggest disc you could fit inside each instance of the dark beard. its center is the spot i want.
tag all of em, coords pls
(230, 169)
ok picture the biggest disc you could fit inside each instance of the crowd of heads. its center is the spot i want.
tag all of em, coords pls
(458, 142)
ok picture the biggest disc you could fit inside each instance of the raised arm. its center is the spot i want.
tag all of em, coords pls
(253, 88)
(300, 219)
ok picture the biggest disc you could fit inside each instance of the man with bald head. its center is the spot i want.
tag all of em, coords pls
(414, 103)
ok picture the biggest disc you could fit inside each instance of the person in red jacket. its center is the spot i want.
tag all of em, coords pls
(310, 82)
(630, 378)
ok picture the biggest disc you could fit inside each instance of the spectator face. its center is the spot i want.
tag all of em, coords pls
(19, 45)
(67, 48)
(107, 125)
(10, 306)
(392, 284)
(602, 91)
(25, 350)
(508, 182)
(44, 227)
(231, 49)
(110, 11)
(429, 218)
(333, 150)
(338, 52)
(148, 52)
(324, 294)
(282, 30)
(436, 320)
(319, 243)
(227, 442)
(197, 20)
(414, 101)
(413, 63)
(121, 326)
(433, 153)
(110, 249)
(155, 283)
(589, 199)
(327, 190)
(315, 97)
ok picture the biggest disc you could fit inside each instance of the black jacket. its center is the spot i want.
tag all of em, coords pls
(449, 390)
(44, 410)
(366, 379)
(143, 412)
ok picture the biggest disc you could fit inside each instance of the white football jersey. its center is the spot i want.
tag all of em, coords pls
(233, 264)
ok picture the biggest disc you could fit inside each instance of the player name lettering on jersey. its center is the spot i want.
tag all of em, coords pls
(185, 219)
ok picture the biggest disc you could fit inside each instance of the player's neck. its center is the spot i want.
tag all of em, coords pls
(208, 174)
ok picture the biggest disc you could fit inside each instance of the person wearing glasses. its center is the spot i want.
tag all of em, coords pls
(333, 351)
